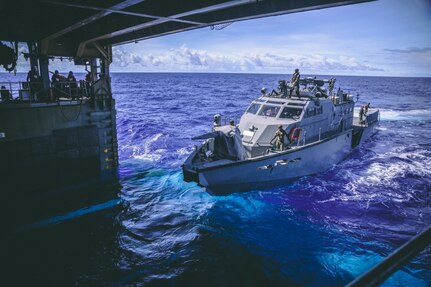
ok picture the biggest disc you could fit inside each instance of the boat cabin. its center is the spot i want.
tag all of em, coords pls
(318, 113)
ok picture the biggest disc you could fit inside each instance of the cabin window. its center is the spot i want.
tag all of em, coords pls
(269, 111)
(311, 112)
(253, 108)
(290, 113)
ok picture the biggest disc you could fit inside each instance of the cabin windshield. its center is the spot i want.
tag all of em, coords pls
(269, 111)
(290, 113)
(253, 108)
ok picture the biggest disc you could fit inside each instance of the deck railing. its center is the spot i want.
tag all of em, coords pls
(60, 91)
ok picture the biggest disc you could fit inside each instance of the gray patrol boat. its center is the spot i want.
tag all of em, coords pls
(319, 127)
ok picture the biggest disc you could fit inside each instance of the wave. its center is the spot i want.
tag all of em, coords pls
(386, 177)
(144, 151)
(156, 150)
(394, 115)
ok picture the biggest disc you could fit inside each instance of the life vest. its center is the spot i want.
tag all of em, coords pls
(294, 134)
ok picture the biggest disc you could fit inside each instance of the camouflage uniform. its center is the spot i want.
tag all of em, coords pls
(361, 114)
(279, 137)
(366, 107)
(294, 82)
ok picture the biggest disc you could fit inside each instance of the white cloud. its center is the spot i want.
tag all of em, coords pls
(184, 58)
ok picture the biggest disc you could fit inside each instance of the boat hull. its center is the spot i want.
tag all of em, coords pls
(223, 177)
(273, 169)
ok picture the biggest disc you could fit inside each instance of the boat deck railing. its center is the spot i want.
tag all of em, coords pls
(307, 94)
(304, 140)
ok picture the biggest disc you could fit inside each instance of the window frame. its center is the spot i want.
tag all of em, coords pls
(292, 108)
(272, 106)
(257, 110)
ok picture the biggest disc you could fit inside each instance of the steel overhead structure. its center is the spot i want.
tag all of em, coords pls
(79, 28)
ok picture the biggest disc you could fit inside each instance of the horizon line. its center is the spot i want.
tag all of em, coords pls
(240, 73)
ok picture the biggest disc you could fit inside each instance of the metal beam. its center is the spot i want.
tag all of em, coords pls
(236, 13)
(184, 14)
(119, 6)
(123, 26)
(102, 51)
(80, 50)
(117, 11)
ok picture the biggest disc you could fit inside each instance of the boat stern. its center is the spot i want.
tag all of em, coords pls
(189, 172)
(365, 129)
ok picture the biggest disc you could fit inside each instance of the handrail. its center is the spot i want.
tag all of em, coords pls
(379, 273)
(14, 88)
(24, 91)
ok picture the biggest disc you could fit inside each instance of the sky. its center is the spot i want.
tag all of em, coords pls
(381, 38)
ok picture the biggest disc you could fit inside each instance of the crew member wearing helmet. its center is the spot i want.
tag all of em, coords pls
(217, 120)
(294, 83)
(56, 84)
(279, 138)
(73, 86)
(55, 80)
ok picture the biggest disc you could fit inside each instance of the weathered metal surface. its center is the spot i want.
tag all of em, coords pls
(56, 142)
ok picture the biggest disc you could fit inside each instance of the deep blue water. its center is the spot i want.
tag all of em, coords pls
(322, 230)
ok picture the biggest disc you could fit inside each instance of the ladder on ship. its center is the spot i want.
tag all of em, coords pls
(103, 115)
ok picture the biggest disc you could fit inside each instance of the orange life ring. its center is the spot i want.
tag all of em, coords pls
(294, 134)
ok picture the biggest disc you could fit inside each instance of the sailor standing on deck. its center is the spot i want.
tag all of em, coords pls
(57, 83)
(32, 75)
(279, 138)
(34, 81)
(363, 113)
(367, 106)
(72, 84)
(294, 83)
(55, 80)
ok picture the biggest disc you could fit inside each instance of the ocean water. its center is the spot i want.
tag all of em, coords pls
(149, 228)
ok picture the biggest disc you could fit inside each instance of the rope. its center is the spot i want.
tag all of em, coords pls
(77, 115)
